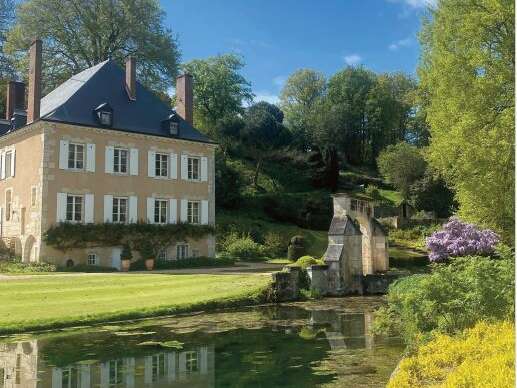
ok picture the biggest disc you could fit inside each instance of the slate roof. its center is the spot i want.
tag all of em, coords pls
(333, 252)
(74, 102)
(343, 226)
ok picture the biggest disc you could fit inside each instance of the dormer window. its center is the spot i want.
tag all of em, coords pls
(172, 124)
(104, 115)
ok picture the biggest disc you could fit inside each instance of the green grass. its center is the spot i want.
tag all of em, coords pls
(279, 261)
(60, 301)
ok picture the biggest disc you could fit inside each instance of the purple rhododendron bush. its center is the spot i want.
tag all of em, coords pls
(460, 239)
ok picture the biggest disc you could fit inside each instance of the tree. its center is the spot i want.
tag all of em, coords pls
(303, 90)
(430, 193)
(262, 131)
(220, 91)
(6, 68)
(402, 165)
(467, 75)
(78, 34)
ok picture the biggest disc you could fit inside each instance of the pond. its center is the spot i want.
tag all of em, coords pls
(325, 343)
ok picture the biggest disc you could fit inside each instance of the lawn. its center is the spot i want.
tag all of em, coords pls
(59, 301)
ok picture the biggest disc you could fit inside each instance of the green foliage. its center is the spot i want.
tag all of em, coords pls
(467, 73)
(86, 268)
(451, 298)
(431, 194)
(195, 262)
(412, 236)
(220, 91)
(305, 262)
(243, 247)
(373, 192)
(401, 164)
(65, 236)
(147, 251)
(275, 244)
(126, 253)
(228, 182)
(16, 266)
(77, 35)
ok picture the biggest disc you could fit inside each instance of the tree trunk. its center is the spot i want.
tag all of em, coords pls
(257, 171)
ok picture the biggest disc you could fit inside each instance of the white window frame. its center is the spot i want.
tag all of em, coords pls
(182, 251)
(117, 167)
(75, 203)
(116, 212)
(161, 165)
(162, 255)
(161, 210)
(193, 174)
(72, 150)
(92, 259)
(192, 363)
(8, 166)
(193, 218)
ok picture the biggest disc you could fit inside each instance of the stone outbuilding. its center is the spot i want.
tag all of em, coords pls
(358, 245)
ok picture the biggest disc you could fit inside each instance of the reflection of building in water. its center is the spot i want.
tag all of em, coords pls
(190, 368)
(19, 364)
(346, 330)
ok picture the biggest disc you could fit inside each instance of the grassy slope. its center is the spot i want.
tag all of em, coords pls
(58, 301)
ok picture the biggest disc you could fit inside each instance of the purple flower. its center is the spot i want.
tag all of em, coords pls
(460, 239)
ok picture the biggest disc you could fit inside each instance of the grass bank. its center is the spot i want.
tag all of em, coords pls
(61, 301)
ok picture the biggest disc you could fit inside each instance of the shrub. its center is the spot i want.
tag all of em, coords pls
(16, 266)
(126, 253)
(373, 192)
(450, 299)
(87, 268)
(195, 262)
(481, 357)
(306, 261)
(296, 248)
(244, 248)
(431, 194)
(275, 245)
(460, 239)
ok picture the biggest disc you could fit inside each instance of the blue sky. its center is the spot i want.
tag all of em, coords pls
(277, 37)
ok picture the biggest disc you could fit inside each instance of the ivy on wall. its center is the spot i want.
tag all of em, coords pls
(66, 236)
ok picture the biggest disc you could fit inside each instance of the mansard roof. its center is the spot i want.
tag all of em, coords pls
(75, 100)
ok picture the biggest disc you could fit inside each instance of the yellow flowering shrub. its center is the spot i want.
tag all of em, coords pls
(483, 356)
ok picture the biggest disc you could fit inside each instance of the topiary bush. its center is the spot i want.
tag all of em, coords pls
(296, 248)
(305, 262)
(195, 262)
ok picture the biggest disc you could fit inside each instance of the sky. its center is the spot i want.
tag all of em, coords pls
(277, 37)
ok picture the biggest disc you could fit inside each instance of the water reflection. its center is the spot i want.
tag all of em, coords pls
(273, 346)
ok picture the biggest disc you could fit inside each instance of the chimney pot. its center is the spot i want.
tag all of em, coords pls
(185, 97)
(15, 98)
(131, 78)
(34, 96)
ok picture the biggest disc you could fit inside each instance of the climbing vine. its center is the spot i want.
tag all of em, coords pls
(65, 236)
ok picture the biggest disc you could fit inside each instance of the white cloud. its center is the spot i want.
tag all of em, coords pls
(352, 59)
(279, 80)
(266, 96)
(400, 43)
(417, 3)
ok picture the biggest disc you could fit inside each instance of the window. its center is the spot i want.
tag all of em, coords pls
(76, 156)
(116, 371)
(191, 363)
(120, 160)
(92, 259)
(174, 128)
(162, 255)
(158, 366)
(193, 169)
(74, 208)
(8, 162)
(8, 204)
(161, 165)
(119, 210)
(160, 211)
(193, 212)
(34, 192)
(181, 251)
(105, 118)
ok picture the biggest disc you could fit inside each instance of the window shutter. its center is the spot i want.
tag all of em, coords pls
(204, 169)
(63, 154)
(13, 162)
(174, 166)
(173, 217)
(184, 167)
(133, 209)
(133, 161)
(90, 157)
(108, 159)
(150, 210)
(108, 208)
(88, 209)
(204, 212)
(61, 207)
(183, 210)
(151, 157)
(2, 165)
(1, 221)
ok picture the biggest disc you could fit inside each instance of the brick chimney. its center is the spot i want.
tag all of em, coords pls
(131, 78)
(15, 98)
(34, 97)
(185, 97)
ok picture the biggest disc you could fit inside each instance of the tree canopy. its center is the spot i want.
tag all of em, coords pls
(6, 68)
(467, 76)
(78, 34)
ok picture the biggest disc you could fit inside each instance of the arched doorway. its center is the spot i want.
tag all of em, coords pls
(29, 254)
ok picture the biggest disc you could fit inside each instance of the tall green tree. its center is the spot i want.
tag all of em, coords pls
(220, 90)
(467, 74)
(6, 68)
(78, 34)
(302, 92)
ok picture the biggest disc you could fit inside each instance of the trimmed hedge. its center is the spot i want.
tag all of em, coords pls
(193, 262)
